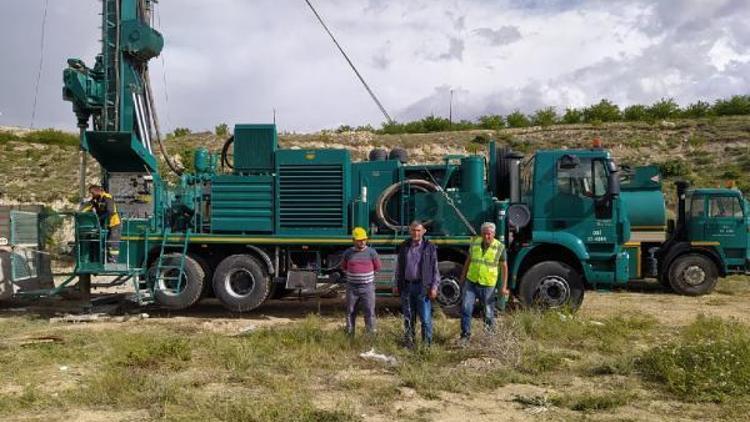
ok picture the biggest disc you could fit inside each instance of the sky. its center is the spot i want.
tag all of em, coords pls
(236, 61)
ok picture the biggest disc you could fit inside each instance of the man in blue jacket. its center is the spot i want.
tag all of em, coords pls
(417, 278)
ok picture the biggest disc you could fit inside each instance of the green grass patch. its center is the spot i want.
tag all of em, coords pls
(709, 361)
(593, 402)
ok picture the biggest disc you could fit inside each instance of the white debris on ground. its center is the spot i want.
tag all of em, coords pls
(371, 355)
(98, 317)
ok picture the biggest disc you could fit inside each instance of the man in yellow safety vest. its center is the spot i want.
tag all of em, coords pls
(103, 204)
(486, 260)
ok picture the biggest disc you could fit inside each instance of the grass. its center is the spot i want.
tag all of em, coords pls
(308, 371)
(709, 361)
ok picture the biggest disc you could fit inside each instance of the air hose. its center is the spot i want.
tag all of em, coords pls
(380, 211)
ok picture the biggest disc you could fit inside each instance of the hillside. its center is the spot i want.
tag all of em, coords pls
(707, 152)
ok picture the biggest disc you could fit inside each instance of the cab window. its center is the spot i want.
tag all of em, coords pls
(725, 206)
(696, 207)
(588, 178)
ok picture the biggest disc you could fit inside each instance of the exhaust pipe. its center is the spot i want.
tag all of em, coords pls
(681, 186)
(514, 160)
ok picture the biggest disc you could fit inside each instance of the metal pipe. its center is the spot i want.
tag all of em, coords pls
(515, 176)
(82, 167)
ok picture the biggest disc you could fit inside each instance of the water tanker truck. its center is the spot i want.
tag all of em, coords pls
(260, 221)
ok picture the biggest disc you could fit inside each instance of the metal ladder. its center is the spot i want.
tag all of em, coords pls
(162, 268)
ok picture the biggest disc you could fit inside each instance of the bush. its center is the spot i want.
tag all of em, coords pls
(435, 124)
(52, 137)
(180, 132)
(344, 129)
(674, 168)
(664, 109)
(737, 105)
(710, 361)
(572, 116)
(604, 111)
(635, 113)
(491, 122)
(517, 119)
(696, 110)
(222, 129)
(545, 117)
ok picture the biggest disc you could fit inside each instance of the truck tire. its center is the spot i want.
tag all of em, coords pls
(208, 274)
(165, 291)
(449, 290)
(241, 283)
(693, 275)
(551, 285)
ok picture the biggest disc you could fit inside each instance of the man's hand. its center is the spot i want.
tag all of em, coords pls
(433, 293)
(504, 292)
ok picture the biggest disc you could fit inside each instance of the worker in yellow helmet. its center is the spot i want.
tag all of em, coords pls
(486, 261)
(360, 263)
(103, 204)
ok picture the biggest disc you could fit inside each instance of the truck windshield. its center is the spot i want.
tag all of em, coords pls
(725, 206)
(589, 178)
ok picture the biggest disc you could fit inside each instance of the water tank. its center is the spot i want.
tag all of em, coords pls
(472, 174)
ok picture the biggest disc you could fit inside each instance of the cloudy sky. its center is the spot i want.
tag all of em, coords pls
(235, 61)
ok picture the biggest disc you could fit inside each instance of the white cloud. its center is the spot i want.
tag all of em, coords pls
(234, 61)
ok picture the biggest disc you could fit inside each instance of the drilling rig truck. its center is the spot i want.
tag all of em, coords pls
(270, 220)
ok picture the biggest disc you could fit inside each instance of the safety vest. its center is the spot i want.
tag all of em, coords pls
(99, 206)
(483, 265)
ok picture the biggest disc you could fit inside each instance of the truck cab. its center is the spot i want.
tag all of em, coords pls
(577, 227)
(717, 219)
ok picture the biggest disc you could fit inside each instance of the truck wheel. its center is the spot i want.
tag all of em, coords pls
(550, 285)
(241, 283)
(171, 293)
(692, 275)
(207, 274)
(449, 291)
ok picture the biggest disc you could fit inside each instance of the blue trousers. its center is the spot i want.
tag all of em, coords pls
(486, 296)
(415, 302)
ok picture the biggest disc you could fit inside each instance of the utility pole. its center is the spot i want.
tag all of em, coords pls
(274, 115)
(450, 110)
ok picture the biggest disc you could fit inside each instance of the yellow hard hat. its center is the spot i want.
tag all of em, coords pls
(359, 233)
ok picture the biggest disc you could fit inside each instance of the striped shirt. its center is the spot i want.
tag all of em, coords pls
(360, 266)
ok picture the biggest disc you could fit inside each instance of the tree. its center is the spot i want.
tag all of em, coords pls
(222, 129)
(664, 109)
(517, 119)
(604, 111)
(545, 117)
(491, 122)
(572, 116)
(179, 132)
(635, 112)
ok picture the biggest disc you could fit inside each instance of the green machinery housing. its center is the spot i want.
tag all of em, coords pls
(258, 221)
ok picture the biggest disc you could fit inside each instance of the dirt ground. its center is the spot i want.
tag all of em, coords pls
(731, 300)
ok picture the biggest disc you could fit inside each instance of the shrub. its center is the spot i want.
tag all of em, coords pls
(572, 116)
(545, 117)
(517, 119)
(604, 111)
(179, 132)
(672, 168)
(491, 122)
(222, 129)
(737, 105)
(710, 361)
(52, 137)
(435, 124)
(698, 109)
(664, 109)
(635, 112)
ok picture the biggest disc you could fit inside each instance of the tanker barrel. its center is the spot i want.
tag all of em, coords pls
(514, 159)
(472, 174)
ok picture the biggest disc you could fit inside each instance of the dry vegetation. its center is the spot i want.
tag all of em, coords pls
(42, 167)
(625, 356)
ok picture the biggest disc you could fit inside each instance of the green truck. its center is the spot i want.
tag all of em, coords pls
(259, 222)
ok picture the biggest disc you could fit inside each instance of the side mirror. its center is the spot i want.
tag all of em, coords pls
(613, 184)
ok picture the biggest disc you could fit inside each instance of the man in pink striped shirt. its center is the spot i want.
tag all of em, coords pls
(360, 263)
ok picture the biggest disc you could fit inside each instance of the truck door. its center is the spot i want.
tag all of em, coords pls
(725, 224)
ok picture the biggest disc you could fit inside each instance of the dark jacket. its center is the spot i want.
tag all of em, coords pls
(428, 264)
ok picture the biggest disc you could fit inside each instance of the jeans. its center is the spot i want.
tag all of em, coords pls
(414, 301)
(364, 295)
(486, 296)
